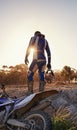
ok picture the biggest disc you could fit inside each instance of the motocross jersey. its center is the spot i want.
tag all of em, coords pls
(40, 45)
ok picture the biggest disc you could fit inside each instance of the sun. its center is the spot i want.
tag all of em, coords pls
(31, 50)
(31, 55)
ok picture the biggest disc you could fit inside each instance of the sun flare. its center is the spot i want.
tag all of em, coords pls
(32, 50)
(31, 55)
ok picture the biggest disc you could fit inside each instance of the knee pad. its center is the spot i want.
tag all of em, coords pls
(41, 74)
(30, 75)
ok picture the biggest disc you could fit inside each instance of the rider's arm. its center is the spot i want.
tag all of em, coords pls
(48, 55)
(32, 40)
(28, 49)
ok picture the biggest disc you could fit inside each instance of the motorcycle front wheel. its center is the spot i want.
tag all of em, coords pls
(38, 120)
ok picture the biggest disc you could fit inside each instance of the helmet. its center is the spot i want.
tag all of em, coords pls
(49, 76)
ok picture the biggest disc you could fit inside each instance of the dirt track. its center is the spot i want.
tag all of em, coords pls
(20, 90)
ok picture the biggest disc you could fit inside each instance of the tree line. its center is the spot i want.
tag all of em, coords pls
(18, 75)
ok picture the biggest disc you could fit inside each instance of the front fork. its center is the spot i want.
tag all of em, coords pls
(4, 116)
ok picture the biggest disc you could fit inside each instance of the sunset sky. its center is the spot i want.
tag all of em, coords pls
(57, 19)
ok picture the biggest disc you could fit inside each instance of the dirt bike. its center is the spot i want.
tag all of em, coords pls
(24, 113)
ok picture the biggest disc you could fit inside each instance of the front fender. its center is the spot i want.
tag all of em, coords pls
(36, 98)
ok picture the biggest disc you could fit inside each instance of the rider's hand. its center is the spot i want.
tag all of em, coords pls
(49, 66)
(26, 61)
(52, 72)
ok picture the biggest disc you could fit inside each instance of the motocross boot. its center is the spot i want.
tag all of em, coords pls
(30, 87)
(41, 86)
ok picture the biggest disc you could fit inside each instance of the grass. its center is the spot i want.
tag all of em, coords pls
(62, 120)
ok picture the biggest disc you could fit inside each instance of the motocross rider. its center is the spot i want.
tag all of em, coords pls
(40, 44)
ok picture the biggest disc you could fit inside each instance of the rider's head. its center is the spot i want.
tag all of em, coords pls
(37, 33)
(42, 35)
